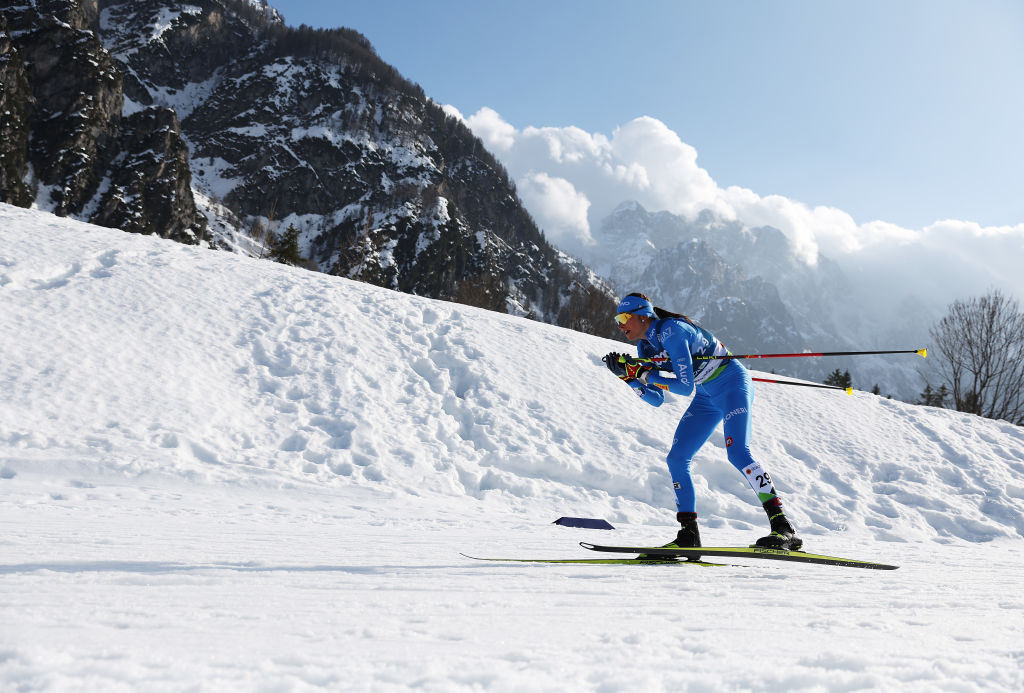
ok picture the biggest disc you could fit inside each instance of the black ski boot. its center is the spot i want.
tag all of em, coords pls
(783, 535)
(687, 537)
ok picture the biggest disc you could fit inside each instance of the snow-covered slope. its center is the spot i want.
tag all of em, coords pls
(224, 474)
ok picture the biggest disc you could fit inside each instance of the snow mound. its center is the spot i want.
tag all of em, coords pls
(130, 355)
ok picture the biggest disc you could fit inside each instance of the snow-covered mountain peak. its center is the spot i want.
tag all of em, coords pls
(755, 290)
(627, 206)
(269, 12)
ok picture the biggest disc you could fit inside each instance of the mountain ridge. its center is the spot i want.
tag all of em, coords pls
(752, 290)
(237, 127)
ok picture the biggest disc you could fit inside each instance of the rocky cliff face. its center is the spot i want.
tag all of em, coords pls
(82, 157)
(15, 101)
(214, 121)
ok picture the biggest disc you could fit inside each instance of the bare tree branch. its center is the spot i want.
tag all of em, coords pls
(980, 345)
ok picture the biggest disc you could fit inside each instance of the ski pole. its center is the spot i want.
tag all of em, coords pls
(923, 353)
(662, 364)
(847, 390)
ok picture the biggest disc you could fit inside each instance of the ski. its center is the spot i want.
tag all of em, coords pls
(668, 560)
(744, 552)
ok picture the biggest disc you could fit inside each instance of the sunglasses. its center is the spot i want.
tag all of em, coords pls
(623, 318)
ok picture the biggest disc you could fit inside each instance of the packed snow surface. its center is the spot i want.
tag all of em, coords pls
(224, 474)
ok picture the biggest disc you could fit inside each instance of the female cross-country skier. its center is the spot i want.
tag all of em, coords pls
(724, 393)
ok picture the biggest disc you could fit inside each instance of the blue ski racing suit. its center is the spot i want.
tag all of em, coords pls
(724, 394)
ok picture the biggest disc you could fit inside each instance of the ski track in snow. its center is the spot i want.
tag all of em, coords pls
(224, 474)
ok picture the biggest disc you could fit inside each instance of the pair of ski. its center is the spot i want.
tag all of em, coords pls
(664, 556)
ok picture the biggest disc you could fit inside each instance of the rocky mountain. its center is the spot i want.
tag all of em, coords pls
(214, 122)
(75, 151)
(15, 97)
(753, 291)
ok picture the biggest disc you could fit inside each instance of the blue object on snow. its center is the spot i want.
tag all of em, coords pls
(587, 522)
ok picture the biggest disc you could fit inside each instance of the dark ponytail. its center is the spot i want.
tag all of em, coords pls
(662, 313)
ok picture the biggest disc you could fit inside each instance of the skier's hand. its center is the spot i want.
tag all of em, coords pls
(617, 367)
(625, 367)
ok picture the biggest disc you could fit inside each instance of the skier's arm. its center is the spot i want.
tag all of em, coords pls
(677, 345)
(648, 393)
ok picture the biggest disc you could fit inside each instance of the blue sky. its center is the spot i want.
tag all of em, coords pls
(904, 111)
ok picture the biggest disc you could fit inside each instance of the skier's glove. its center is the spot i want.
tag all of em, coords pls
(626, 368)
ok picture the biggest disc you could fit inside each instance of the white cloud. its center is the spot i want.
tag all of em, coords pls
(557, 201)
(643, 160)
(570, 179)
(673, 180)
(498, 135)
